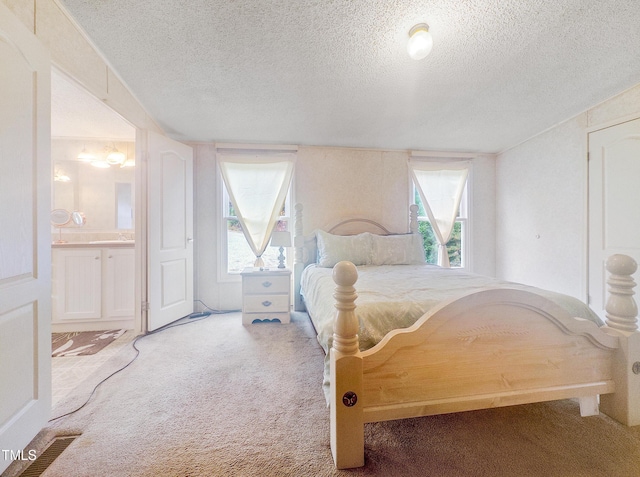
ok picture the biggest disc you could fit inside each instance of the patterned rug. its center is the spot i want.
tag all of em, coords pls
(82, 343)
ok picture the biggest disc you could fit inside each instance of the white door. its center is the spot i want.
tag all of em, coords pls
(25, 237)
(614, 202)
(170, 230)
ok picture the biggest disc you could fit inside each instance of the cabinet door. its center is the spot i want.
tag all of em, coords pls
(77, 284)
(119, 290)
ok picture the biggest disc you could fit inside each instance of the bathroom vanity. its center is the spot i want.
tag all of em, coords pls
(93, 286)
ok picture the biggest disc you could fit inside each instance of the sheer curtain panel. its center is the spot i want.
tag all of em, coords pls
(257, 185)
(440, 185)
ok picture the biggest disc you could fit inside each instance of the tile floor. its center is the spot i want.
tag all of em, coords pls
(67, 372)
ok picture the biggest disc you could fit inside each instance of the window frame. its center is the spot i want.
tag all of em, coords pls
(222, 199)
(464, 217)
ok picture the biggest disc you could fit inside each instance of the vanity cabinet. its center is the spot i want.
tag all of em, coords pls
(93, 288)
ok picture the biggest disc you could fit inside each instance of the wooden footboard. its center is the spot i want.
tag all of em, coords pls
(486, 349)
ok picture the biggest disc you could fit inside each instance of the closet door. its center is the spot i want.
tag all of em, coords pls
(25, 237)
(614, 202)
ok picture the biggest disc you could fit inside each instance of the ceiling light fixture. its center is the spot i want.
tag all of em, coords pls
(420, 41)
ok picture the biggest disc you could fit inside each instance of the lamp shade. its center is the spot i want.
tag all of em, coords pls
(280, 239)
(420, 41)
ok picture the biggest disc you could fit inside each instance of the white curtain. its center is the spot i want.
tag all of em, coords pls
(257, 186)
(440, 185)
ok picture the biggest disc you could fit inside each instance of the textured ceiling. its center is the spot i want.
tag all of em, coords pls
(336, 72)
(76, 114)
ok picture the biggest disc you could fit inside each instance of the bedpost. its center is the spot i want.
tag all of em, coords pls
(621, 318)
(298, 261)
(413, 219)
(347, 425)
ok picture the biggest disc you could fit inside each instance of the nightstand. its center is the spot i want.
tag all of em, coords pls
(266, 295)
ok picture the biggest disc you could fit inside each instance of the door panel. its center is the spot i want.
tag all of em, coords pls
(170, 225)
(25, 238)
(614, 195)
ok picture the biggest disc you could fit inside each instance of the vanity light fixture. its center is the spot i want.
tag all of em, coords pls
(60, 176)
(101, 164)
(420, 41)
(130, 161)
(86, 156)
(116, 157)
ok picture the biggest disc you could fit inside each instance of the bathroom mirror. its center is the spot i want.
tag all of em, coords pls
(60, 217)
(104, 195)
(78, 218)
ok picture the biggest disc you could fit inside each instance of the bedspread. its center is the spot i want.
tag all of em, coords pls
(395, 296)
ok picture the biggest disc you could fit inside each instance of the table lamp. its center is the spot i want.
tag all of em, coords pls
(281, 239)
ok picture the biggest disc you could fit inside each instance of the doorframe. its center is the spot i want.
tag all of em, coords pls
(140, 185)
(587, 196)
(141, 247)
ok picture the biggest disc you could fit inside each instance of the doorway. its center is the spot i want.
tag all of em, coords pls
(614, 195)
(93, 207)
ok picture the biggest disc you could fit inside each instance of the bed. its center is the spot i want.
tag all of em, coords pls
(488, 345)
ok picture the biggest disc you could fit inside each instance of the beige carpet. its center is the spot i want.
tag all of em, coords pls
(215, 398)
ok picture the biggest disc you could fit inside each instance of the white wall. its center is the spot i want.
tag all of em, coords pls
(541, 201)
(334, 183)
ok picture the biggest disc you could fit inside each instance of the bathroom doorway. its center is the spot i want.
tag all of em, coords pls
(93, 212)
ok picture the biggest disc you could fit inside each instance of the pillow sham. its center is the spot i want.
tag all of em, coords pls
(335, 248)
(407, 249)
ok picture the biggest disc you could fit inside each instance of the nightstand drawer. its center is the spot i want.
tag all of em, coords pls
(266, 303)
(266, 284)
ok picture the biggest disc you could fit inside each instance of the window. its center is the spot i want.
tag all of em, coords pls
(236, 253)
(456, 246)
(252, 184)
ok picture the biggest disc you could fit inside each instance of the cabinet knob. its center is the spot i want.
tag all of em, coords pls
(266, 303)
(96, 258)
(266, 284)
(110, 256)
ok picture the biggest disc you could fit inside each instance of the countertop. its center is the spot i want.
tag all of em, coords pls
(97, 244)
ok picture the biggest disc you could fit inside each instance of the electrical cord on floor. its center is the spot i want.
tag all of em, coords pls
(192, 318)
(212, 310)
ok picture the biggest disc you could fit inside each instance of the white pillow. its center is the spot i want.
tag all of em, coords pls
(397, 249)
(335, 248)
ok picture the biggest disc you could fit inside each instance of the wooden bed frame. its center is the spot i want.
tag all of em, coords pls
(492, 348)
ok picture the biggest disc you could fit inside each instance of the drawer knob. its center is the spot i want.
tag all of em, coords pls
(266, 284)
(266, 303)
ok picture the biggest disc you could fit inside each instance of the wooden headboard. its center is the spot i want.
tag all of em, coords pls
(306, 249)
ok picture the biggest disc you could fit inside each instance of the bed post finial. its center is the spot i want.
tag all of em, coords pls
(621, 309)
(621, 317)
(346, 411)
(345, 326)
(413, 219)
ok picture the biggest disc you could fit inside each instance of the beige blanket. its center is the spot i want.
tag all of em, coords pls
(395, 296)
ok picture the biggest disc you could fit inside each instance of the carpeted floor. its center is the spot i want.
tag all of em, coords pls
(215, 398)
